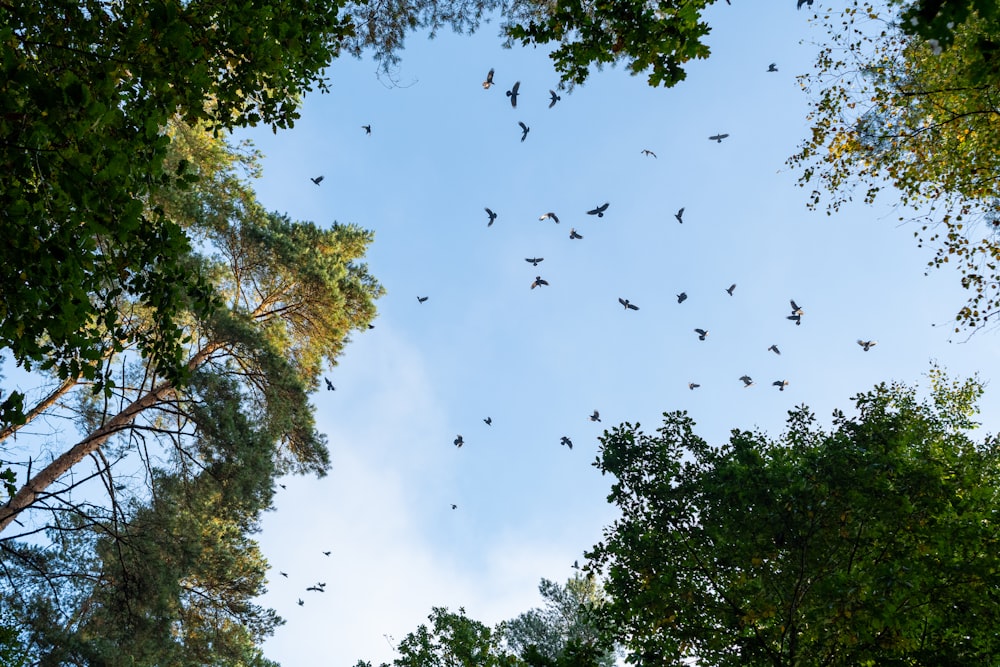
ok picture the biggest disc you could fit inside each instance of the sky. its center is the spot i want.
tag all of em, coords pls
(539, 361)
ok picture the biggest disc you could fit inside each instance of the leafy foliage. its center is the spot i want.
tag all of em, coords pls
(874, 543)
(895, 109)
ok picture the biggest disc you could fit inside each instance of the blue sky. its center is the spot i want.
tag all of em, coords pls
(538, 362)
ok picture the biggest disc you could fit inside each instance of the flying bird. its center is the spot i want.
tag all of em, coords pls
(524, 130)
(301, 602)
(421, 299)
(795, 318)
(746, 381)
(780, 384)
(598, 211)
(534, 260)
(539, 282)
(867, 344)
(367, 129)
(489, 421)
(489, 80)
(512, 93)
(459, 442)
(693, 385)
(284, 487)
(701, 333)
(718, 137)
(795, 308)
(731, 288)
(566, 442)
(648, 153)
(682, 297)
(493, 216)
(549, 215)
(774, 348)
(773, 67)
(574, 235)
(596, 417)
(284, 574)
(628, 305)
(798, 5)
(454, 506)
(316, 588)
(329, 385)
(327, 553)
(553, 98)
(680, 215)
(317, 180)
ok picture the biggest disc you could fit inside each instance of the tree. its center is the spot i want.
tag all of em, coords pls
(563, 625)
(896, 109)
(872, 543)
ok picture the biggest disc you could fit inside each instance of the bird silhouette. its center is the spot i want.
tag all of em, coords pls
(489, 421)
(317, 180)
(746, 381)
(316, 588)
(524, 130)
(534, 260)
(327, 553)
(284, 574)
(867, 344)
(301, 602)
(693, 385)
(421, 299)
(489, 80)
(329, 385)
(682, 297)
(773, 67)
(628, 305)
(599, 210)
(780, 384)
(795, 318)
(454, 506)
(493, 216)
(539, 282)
(774, 348)
(367, 129)
(553, 98)
(283, 486)
(576, 565)
(731, 288)
(680, 215)
(596, 417)
(566, 442)
(549, 215)
(798, 5)
(512, 93)
(648, 153)
(702, 333)
(718, 137)
(459, 442)
(574, 235)
(796, 310)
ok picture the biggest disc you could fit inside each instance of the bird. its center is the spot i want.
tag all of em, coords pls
(493, 216)
(284, 487)
(459, 442)
(596, 417)
(682, 297)
(780, 384)
(524, 130)
(539, 282)
(680, 215)
(512, 93)
(795, 318)
(421, 299)
(773, 67)
(534, 260)
(774, 348)
(799, 3)
(489, 421)
(731, 288)
(628, 305)
(693, 385)
(648, 153)
(329, 385)
(317, 180)
(367, 129)
(796, 310)
(553, 98)
(489, 80)
(867, 344)
(599, 210)
(746, 381)
(574, 235)
(718, 137)
(701, 333)
(549, 215)
(301, 602)
(321, 584)
(566, 442)
(284, 574)
(316, 588)
(454, 506)
(327, 553)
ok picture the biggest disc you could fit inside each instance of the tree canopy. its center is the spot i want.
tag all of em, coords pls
(873, 543)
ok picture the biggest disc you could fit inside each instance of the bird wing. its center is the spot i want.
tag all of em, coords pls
(515, 87)
(523, 126)
(490, 213)
(622, 302)
(700, 332)
(633, 306)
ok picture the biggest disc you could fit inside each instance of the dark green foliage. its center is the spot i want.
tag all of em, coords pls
(873, 544)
